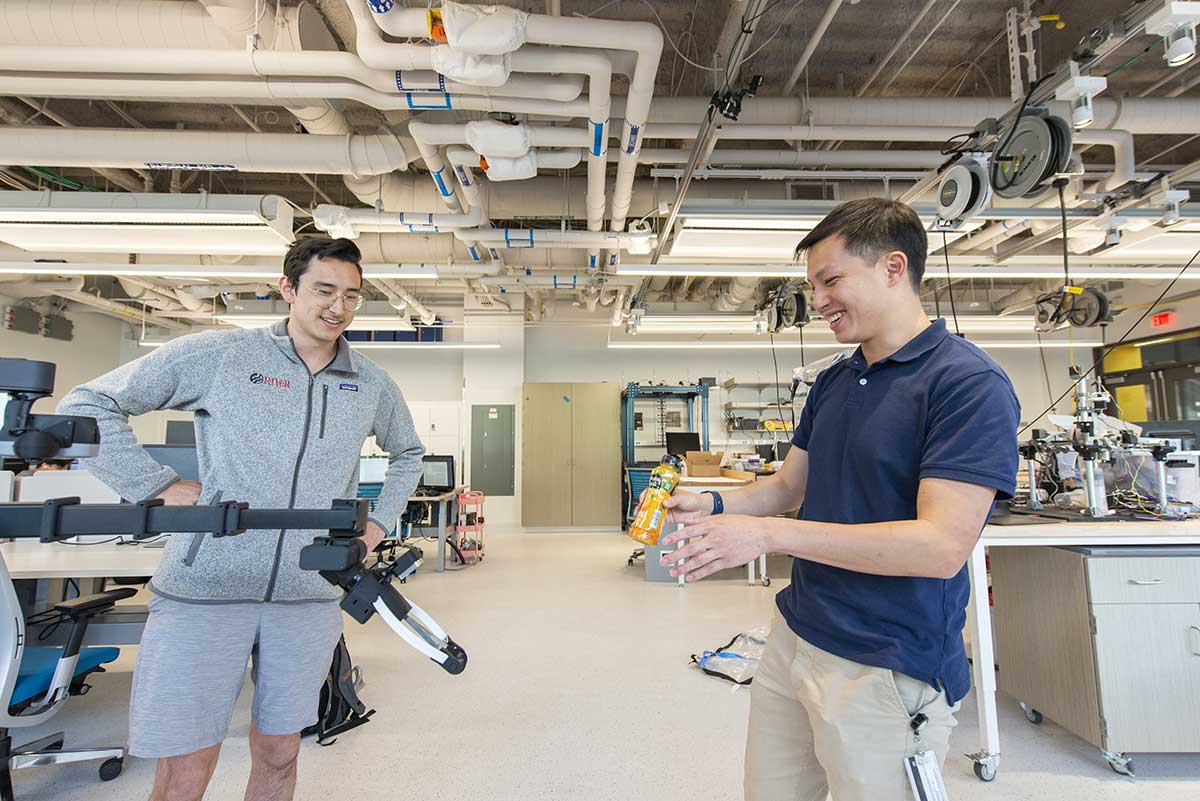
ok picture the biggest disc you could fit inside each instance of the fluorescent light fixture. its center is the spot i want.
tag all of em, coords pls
(375, 315)
(120, 222)
(931, 272)
(754, 223)
(426, 345)
(745, 324)
(1032, 344)
(233, 271)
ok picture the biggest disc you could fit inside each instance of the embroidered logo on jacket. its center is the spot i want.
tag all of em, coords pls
(349, 387)
(259, 378)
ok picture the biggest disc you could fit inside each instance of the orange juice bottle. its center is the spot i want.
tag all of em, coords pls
(648, 521)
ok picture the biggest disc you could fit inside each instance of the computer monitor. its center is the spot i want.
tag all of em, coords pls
(180, 458)
(437, 473)
(680, 442)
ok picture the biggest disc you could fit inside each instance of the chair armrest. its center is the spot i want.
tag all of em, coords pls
(90, 605)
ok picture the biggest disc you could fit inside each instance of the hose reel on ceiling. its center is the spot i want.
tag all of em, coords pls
(784, 307)
(1081, 307)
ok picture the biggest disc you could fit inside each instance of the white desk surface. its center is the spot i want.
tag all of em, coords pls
(713, 481)
(1133, 532)
(31, 559)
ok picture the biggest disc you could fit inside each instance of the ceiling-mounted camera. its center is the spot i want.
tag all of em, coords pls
(729, 102)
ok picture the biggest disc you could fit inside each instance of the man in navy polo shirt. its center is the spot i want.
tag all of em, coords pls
(899, 454)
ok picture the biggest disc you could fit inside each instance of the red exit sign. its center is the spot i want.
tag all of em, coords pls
(1164, 319)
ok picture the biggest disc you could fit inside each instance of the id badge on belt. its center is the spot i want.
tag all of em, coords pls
(924, 774)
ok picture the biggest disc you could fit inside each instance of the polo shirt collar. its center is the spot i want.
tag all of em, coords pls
(916, 347)
(341, 361)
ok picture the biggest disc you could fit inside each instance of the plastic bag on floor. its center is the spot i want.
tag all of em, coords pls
(737, 660)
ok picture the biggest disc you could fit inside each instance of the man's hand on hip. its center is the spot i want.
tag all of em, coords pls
(181, 493)
(373, 535)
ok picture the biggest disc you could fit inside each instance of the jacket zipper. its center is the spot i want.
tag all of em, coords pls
(292, 499)
(324, 406)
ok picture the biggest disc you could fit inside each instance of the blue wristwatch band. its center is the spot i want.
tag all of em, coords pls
(718, 504)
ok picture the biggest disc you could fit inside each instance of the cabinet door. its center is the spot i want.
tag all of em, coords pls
(420, 416)
(596, 454)
(1148, 661)
(444, 420)
(546, 455)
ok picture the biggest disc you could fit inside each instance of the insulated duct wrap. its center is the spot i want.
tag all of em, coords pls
(470, 68)
(496, 138)
(484, 30)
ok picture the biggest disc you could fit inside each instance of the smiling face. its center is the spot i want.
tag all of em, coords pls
(323, 298)
(860, 298)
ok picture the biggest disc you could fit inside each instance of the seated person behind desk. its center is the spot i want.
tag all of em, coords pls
(45, 464)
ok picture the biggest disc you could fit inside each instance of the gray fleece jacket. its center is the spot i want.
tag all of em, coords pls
(267, 433)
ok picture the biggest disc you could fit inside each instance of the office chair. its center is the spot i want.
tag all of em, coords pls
(37, 680)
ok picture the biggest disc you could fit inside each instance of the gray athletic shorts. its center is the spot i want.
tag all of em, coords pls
(192, 664)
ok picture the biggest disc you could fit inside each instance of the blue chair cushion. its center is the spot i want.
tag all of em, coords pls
(38, 664)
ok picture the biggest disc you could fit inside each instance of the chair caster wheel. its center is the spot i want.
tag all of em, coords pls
(1032, 715)
(111, 769)
(985, 772)
(766, 582)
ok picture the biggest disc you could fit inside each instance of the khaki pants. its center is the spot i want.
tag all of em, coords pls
(822, 724)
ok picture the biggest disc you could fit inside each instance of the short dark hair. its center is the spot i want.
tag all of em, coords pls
(300, 255)
(872, 226)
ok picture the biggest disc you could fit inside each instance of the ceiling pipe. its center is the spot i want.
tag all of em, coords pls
(733, 296)
(475, 134)
(643, 38)
(426, 316)
(801, 133)
(563, 159)
(541, 238)
(26, 287)
(121, 311)
(804, 158)
(810, 47)
(368, 154)
(343, 221)
(1124, 161)
(130, 23)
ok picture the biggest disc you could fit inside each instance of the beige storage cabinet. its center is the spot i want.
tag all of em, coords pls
(1105, 641)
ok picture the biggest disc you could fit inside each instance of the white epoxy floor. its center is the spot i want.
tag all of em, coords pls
(578, 687)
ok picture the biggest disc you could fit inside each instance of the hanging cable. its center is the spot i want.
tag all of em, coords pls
(1097, 362)
(950, 284)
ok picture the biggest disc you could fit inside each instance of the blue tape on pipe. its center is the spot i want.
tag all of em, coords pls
(493, 253)
(633, 137)
(474, 253)
(441, 183)
(592, 262)
(598, 138)
(414, 104)
(381, 6)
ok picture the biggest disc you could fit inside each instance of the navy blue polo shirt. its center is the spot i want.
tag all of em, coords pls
(936, 408)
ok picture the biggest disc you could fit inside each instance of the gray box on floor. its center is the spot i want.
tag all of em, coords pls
(1103, 641)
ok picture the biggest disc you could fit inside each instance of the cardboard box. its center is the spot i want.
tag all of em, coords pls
(702, 464)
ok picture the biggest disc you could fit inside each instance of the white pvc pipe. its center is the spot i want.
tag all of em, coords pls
(541, 238)
(563, 159)
(804, 158)
(127, 23)
(570, 281)
(369, 154)
(130, 62)
(814, 39)
(793, 133)
(284, 92)
(327, 216)
(1123, 156)
(738, 292)
(539, 136)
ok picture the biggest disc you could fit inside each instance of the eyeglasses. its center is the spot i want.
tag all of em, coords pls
(351, 299)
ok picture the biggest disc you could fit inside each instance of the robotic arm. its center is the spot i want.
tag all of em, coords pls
(339, 560)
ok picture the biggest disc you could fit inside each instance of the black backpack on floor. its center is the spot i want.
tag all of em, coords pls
(339, 709)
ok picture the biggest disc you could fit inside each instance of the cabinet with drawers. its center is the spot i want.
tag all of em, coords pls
(1103, 641)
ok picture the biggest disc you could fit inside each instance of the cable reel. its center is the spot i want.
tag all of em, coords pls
(785, 307)
(964, 191)
(1030, 154)
(1081, 307)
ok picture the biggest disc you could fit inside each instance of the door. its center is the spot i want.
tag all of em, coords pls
(545, 455)
(595, 454)
(492, 449)
(1181, 386)
(1148, 663)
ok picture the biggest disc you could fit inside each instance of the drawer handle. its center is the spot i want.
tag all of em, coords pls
(1146, 582)
(1194, 630)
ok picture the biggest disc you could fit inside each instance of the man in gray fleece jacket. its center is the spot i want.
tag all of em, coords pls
(281, 414)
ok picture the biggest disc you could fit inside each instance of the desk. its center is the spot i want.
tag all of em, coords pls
(979, 613)
(446, 502)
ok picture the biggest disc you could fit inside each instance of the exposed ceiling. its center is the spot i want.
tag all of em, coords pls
(957, 48)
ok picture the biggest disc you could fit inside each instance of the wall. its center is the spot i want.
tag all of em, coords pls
(95, 349)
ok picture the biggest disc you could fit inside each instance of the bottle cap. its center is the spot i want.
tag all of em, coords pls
(673, 460)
